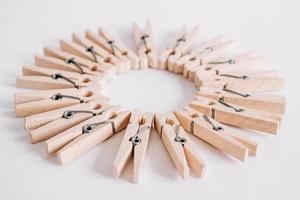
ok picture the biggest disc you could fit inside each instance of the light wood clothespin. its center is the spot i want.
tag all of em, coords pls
(66, 65)
(269, 103)
(48, 79)
(104, 40)
(214, 49)
(216, 134)
(178, 47)
(134, 143)
(240, 81)
(145, 45)
(100, 54)
(68, 119)
(179, 146)
(82, 137)
(40, 119)
(80, 63)
(30, 103)
(235, 115)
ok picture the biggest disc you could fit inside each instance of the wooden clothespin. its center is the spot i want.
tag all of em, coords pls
(214, 49)
(80, 63)
(235, 115)
(116, 48)
(75, 141)
(209, 66)
(178, 47)
(240, 81)
(179, 145)
(46, 79)
(269, 103)
(134, 143)
(66, 65)
(145, 45)
(67, 119)
(100, 54)
(216, 134)
(31, 103)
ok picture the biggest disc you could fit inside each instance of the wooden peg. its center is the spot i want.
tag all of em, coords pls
(215, 133)
(179, 146)
(134, 143)
(235, 115)
(40, 119)
(241, 81)
(68, 119)
(60, 64)
(104, 40)
(81, 138)
(214, 49)
(178, 46)
(146, 49)
(31, 70)
(269, 103)
(55, 81)
(24, 97)
(80, 63)
(42, 101)
(102, 54)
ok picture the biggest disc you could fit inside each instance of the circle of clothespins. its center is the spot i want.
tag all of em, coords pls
(67, 111)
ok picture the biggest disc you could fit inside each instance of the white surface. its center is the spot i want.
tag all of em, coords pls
(271, 28)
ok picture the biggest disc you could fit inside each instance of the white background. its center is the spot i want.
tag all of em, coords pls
(271, 28)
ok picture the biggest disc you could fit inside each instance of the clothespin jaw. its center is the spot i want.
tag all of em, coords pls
(99, 53)
(145, 46)
(235, 115)
(67, 119)
(134, 143)
(80, 138)
(179, 46)
(178, 144)
(216, 134)
(269, 103)
(240, 82)
(215, 49)
(43, 101)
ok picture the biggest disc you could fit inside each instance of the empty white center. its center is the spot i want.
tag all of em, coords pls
(150, 90)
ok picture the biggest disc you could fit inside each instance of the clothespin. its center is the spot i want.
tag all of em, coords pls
(178, 47)
(31, 103)
(80, 138)
(235, 115)
(214, 49)
(116, 48)
(31, 70)
(208, 66)
(80, 63)
(145, 45)
(216, 134)
(240, 81)
(53, 79)
(179, 146)
(269, 103)
(67, 119)
(100, 54)
(66, 65)
(134, 143)
(78, 50)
